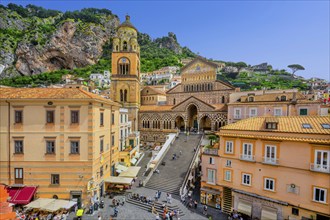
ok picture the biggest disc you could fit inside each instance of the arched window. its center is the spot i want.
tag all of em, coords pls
(123, 66)
(125, 95)
(251, 99)
(174, 101)
(125, 46)
(283, 98)
(121, 95)
(117, 48)
(222, 99)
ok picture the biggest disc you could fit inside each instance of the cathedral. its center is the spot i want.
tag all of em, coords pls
(197, 104)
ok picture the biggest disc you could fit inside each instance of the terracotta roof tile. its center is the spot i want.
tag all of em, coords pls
(48, 93)
(287, 124)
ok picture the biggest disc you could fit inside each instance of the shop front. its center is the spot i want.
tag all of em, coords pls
(210, 197)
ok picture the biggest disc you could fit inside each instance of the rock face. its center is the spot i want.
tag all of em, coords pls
(67, 48)
(169, 42)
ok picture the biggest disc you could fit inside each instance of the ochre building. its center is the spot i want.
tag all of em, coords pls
(270, 168)
(65, 141)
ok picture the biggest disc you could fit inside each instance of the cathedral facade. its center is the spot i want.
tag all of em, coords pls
(197, 104)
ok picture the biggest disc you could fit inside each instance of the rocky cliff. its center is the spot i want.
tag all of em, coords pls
(33, 45)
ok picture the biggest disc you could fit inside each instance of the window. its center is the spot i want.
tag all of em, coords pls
(101, 145)
(18, 117)
(271, 125)
(55, 179)
(228, 175)
(19, 147)
(303, 111)
(50, 147)
(211, 160)
(101, 119)
(229, 147)
(305, 125)
(277, 112)
(74, 147)
(112, 118)
(74, 117)
(322, 160)
(237, 113)
(112, 140)
(270, 154)
(295, 211)
(269, 184)
(247, 153)
(101, 171)
(251, 99)
(18, 175)
(228, 163)
(319, 194)
(210, 176)
(326, 126)
(246, 179)
(283, 98)
(50, 117)
(123, 66)
(253, 112)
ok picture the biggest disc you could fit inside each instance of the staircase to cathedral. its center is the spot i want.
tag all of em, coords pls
(172, 174)
(227, 200)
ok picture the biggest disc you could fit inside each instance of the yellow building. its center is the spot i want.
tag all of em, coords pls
(63, 140)
(270, 168)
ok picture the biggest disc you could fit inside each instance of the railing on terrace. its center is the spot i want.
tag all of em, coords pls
(247, 157)
(269, 160)
(320, 168)
(210, 151)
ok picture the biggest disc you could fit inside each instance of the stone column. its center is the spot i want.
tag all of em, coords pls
(212, 125)
(256, 209)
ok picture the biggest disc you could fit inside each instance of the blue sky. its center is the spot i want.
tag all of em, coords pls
(277, 32)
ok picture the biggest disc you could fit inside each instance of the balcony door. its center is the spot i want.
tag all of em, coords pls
(18, 175)
(270, 154)
(247, 152)
(322, 160)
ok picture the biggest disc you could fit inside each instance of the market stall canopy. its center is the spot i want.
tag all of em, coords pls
(137, 155)
(21, 195)
(51, 205)
(119, 180)
(37, 204)
(130, 172)
(120, 168)
(133, 161)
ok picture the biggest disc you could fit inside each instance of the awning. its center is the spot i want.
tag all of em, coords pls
(118, 171)
(37, 204)
(58, 204)
(130, 172)
(152, 166)
(51, 205)
(121, 167)
(133, 161)
(268, 214)
(210, 191)
(245, 208)
(22, 195)
(119, 180)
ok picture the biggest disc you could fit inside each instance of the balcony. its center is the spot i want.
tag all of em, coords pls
(320, 168)
(210, 151)
(247, 157)
(268, 160)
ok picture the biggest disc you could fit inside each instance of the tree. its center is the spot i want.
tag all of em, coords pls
(295, 67)
(213, 138)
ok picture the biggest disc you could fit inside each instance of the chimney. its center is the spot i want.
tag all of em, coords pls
(294, 97)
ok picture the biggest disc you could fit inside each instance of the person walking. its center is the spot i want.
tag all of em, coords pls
(180, 152)
(205, 210)
(159, 193)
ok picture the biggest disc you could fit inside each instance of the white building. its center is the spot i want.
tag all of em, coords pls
(102, 80)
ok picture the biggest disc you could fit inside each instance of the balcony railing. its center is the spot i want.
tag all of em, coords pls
(269, 160)
(320, 168)
(210, 151)
(247, 157)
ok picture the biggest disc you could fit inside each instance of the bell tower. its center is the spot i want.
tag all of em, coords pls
(125, 80)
